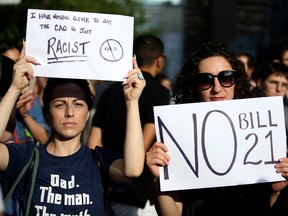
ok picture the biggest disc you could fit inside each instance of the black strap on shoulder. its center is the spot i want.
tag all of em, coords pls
(94, 153)
(30, 169)
(96, 158)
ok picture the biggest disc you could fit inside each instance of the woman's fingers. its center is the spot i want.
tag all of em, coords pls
(158, 155)
(135, 64)
(282, 167)
(133, 78)
(23, 51)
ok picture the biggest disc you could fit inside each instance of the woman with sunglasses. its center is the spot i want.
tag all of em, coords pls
(213, 73)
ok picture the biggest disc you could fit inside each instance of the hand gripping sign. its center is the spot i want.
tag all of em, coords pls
(224, 143)
(80, 45)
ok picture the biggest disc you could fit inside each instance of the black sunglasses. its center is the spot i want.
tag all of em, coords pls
(206, 80)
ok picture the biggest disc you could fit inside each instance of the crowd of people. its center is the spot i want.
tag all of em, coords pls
(54, 114)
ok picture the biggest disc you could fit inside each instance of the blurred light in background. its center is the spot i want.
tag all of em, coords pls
(9, 2)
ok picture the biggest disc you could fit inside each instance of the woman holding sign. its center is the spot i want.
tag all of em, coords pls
(213, 73)
(68, 178)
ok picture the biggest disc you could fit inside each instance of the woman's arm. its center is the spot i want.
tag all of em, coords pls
(121, 171)
(22, 73)
(6, 106)
(95, 137)
(167, 203)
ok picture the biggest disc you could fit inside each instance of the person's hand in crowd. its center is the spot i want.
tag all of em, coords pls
(157, 156)
(134, 83)
(281, 167)
(26, 102)
(23, 71)
(22, 74)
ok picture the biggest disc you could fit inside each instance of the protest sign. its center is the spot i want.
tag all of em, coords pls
(80, 45)
(223, 143)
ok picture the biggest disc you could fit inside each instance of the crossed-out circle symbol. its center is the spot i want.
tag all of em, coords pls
(111, 50)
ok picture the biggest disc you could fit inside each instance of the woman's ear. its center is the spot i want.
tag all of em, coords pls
(88, 115)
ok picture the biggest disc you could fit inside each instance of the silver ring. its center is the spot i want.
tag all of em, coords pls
(140, 76)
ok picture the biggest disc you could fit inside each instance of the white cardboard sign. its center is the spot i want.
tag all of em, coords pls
(80, 45)
(224, 143)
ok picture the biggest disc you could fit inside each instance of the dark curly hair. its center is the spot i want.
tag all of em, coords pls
(185, 89)
(52, 83)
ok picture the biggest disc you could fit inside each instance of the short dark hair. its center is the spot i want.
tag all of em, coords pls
(52, 83)
(147, 47)
(275, 51)
(266, 69)
(252, 61)
(4, 46)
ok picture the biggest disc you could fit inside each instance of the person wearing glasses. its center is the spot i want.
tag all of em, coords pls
(213, 73)
(273, 81)
(277, 51)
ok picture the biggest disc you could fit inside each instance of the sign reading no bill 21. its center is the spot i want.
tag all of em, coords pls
(223, 143)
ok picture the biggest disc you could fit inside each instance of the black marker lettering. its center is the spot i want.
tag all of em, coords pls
(63, 49)
(204, 144)
(33, 15)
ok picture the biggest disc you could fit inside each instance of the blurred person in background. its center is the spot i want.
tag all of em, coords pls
(10, 50)
(8, 116)
(108, 126)
(277, 51)
(164, 80)
(249, 64)
(273, 81)
(31, 124)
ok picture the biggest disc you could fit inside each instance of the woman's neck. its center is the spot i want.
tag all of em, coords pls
(62, 147)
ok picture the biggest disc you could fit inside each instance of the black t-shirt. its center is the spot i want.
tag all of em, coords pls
(280, 207)
(241, 200)
(110, 113)
(70, 185)
(110, 116)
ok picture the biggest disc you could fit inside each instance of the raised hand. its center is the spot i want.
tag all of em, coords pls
(134, 83)
(22, 74)
(23, 71)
